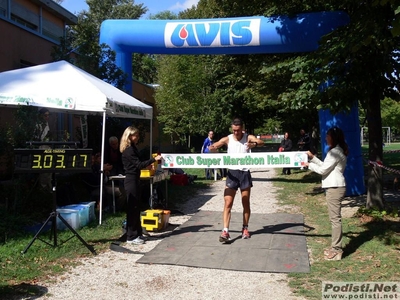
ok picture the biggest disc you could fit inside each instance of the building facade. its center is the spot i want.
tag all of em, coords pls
(29, 29)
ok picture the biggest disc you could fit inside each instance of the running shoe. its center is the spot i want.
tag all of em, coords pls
(137, 241)
(224, 237)
(145, 233)
(245, 233)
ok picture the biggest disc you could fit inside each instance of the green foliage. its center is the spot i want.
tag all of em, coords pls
(271, 126)
(83, 38)
(183, 99)
(377, 213)
(369, 247)
(164, 15)
(144, 67)
(26, 118)
(17, 134)
(100, 10)
(355, 63)
(232, 85)
(359, 61)
(391, 115)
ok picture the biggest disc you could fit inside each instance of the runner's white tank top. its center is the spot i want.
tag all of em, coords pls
(235, 147)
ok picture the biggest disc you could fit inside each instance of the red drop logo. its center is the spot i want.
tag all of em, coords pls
(183, 33)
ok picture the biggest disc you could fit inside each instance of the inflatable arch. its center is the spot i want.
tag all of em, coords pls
(244, 35)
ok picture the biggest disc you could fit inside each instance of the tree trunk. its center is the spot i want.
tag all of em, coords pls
(375, 152)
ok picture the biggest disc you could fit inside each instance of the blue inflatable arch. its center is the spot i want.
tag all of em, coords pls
(244, 35)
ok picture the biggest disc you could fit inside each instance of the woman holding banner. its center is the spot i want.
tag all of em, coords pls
(333, 181)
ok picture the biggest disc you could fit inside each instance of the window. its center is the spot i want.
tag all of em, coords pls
(3, 8)
(51, 30)
(23, 22)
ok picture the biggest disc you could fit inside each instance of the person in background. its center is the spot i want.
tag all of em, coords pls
(204, 149)
(304, 141)
(237, 177)
(42, 128)
(132, 166)
(113, 156)
(333, 181)
(286, 145)
(314, 140)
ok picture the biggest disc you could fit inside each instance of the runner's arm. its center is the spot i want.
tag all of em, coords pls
(222, 142)
(253, 141)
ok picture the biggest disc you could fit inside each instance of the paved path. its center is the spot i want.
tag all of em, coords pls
(116, 275)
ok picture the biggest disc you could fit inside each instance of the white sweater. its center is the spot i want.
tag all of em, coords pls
(331, 169)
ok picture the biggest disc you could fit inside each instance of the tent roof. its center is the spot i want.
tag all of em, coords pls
(63, 86)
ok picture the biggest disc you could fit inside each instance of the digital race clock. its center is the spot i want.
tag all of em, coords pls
(52, 160)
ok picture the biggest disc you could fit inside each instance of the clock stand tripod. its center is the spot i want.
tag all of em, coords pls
(59, 160)
(53, 219)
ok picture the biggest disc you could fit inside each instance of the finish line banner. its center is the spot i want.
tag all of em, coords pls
(255, 160)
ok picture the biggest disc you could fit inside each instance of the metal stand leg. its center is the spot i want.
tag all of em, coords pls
(151, 193)
(53, 218)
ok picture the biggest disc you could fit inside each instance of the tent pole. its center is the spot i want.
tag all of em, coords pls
(103, 136)
(151, 155)
(151, 138)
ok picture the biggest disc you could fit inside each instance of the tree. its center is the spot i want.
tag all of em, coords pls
(144, 66)
(83, 38)
(391, 114)
(235, 85)
(164, 15)
(361, 61)
(182, 99)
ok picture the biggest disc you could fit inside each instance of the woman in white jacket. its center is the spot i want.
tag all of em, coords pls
(333, 181)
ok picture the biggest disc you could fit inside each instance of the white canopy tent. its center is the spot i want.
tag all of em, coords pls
(63, 87)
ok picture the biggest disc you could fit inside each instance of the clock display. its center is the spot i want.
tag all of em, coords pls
(52, 160)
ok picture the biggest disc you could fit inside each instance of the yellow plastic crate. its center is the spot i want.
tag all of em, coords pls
(152, 219)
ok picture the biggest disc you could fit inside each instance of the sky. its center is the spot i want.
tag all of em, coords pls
(154, 6)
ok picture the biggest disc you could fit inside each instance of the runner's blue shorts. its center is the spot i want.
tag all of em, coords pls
(239, 179)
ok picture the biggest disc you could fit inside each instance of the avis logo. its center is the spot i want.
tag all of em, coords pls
(213, 34)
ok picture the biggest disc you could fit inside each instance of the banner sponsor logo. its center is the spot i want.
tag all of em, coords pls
(244, 32)
(242, 160)
(38, 100)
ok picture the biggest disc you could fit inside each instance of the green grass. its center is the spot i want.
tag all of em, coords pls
(18, 270)
(371, 244)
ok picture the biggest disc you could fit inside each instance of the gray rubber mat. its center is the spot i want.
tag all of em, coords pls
(277, 244)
